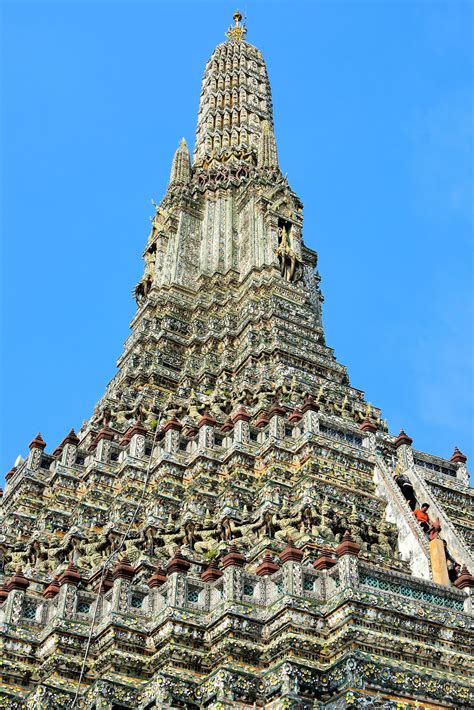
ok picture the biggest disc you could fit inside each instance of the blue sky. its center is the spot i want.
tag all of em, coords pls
(373, 107)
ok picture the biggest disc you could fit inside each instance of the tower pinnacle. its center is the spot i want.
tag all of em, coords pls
(237, 31)
(235, 102)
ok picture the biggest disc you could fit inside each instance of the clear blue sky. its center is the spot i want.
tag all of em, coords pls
(374, 113)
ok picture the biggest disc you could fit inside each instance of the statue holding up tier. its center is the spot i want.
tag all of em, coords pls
(291, 267)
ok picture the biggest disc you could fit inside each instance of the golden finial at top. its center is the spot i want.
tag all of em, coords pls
(237, 31)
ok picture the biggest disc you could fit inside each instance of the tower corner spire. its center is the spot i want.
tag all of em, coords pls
(181, 165)
(267, 151)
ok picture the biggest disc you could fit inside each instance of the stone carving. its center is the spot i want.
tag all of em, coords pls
(290, 265)
(225, 527)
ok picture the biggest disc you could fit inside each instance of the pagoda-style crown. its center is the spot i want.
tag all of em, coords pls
(235, 119)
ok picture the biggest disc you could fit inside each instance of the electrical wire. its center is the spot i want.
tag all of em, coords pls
(107, 562)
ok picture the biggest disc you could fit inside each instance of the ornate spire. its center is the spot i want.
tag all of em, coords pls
(235, 105)
(181, 165)
(267, 152)
(237, 31)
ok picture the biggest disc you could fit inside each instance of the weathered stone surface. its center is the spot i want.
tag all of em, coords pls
(231, 450)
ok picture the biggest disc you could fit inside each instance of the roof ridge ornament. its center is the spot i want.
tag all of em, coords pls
(237, 31)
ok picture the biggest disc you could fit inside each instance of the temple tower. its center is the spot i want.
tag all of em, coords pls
(235, 525)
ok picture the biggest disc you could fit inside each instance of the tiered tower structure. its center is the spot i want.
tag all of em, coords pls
(226, 530)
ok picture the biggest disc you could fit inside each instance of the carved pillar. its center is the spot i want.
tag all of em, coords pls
(296, 419)
(172, 432)
(68, 455)
(226, 429)
(176, 570)
(36, 447)
(369, 429)
(277, 422)
(310, 416)
(67, 597)
(206, 432)
(122, 574)
(16, 586)
(102, 443)
(404, 451)
(232, 564)
(460, 460)
(137, 441)
(347, 552)
(325, 585)
(241, 420)
(155, 582)
(291, 558)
